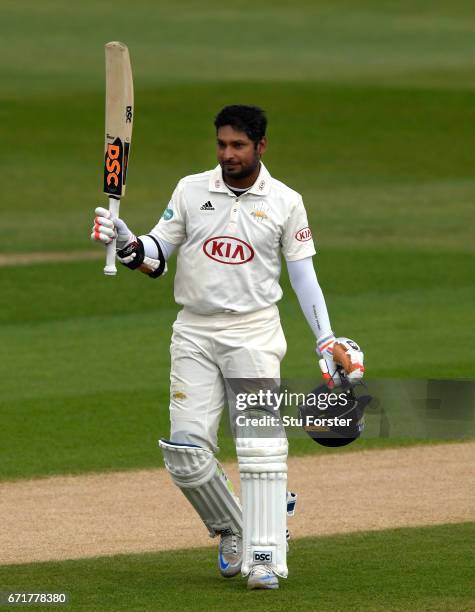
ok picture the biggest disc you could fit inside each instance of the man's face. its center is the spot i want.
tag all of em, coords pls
(237, 154)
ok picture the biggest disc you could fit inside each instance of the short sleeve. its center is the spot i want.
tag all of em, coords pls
(296, 241)
(171, 226)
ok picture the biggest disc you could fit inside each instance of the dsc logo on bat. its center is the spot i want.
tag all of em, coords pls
(113, 164)
(113, 168)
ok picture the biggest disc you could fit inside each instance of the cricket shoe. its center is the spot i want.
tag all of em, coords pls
(262, 577)
(230, 554)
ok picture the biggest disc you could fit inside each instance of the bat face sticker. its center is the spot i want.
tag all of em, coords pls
(113, 168)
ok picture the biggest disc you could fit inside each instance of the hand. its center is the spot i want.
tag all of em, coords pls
(105, 229)
(340, 355)
(348, 355)
(327, 364)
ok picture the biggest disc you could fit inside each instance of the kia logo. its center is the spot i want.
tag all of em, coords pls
(304, 234)
(228, 250)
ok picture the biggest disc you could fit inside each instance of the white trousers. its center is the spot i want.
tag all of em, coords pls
(206, 349)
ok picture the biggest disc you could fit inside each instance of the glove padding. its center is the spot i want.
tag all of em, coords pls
(133, 257)
(105, 229)
(341, 356)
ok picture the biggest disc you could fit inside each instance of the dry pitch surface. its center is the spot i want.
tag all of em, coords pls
(71, 517)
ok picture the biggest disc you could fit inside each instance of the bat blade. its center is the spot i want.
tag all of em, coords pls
(119, 117)
(118, 132)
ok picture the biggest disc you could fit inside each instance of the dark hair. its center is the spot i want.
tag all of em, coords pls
(251, 120)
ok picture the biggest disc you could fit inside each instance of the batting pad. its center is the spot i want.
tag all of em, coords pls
(203, 481)
(263, 468)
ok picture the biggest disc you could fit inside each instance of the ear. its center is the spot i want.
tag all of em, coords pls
(262, 145)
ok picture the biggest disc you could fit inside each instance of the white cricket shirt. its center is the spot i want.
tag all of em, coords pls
(229, 256)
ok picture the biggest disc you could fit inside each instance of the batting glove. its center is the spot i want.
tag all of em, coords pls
(105, 229)
(326, 362)
(340, 354)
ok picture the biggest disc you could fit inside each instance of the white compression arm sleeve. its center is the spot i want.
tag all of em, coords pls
(151, 250)
(305, 284)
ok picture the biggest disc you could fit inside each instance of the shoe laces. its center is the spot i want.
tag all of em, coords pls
(230, 543)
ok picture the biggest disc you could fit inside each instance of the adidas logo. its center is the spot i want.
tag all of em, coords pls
(207, 206)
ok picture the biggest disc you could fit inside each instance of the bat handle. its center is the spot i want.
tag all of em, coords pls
(110, 269)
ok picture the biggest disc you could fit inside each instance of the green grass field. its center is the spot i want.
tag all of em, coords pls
(397, 570)
(371, 111)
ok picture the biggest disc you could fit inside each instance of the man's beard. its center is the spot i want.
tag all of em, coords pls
(243, 173)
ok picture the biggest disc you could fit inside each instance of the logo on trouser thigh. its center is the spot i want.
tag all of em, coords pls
(260, 556)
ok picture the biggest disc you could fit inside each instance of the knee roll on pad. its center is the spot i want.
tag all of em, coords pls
(203, 482)
(263, 469)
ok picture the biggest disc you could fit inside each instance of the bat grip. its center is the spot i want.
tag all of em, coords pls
(110, 269)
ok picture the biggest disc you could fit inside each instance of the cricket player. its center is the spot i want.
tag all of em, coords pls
(230, 227)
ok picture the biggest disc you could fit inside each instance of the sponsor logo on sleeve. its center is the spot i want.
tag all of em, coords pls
(167, 214)
(304, 234)
(228, 250)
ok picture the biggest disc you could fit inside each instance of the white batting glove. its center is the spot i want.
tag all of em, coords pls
(340, 353)
(348, 354)
(105, 229)
(327, 365)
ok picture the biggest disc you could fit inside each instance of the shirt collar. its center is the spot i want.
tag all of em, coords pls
(261, 187)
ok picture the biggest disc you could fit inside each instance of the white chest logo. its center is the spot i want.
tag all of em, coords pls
(260, 212)
(228, 250)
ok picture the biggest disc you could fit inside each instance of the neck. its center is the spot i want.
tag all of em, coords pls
(245, 182)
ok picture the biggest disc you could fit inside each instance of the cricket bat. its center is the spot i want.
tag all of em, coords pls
(119, 120)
